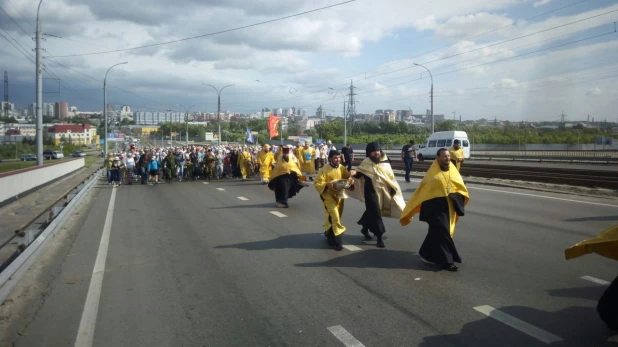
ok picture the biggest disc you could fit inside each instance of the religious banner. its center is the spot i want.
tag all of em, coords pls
(273, 125)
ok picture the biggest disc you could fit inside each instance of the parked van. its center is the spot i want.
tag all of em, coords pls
(443, 139)
(49, 154)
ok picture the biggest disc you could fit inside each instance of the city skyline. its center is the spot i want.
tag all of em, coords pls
(486, 59)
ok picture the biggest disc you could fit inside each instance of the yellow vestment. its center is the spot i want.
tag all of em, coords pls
(333, 207)
(605, 244)
(265, 160)
(436, 184)
(244, 163)
(457, 156)
(307, 159)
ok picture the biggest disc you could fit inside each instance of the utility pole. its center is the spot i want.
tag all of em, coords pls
(430, 75)
(351, 112)
(39, 91)
(219, 107)
(104, 108)
(6, 94)
(454, 120)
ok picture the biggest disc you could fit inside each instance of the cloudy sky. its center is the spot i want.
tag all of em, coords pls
(514, 59)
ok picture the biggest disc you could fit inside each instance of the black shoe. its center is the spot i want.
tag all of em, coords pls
(366, 234)
(338, 248)
(380, 244)
(451, 267)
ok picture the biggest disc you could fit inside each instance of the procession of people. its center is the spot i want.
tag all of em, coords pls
(439, 200)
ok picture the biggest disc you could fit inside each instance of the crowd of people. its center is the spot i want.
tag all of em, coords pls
(439, 199)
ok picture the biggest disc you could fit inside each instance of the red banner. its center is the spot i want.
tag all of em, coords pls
(273, 125)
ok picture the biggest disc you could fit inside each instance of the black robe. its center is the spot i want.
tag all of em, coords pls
(608, 305)
(371, 219)
(285, 186)
(438, 246)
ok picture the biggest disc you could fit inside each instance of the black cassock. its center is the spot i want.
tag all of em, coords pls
(608, 305)
(372, 217)
(285, 186)
(438, 246)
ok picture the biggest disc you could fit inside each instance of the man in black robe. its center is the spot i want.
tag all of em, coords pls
(440, 199)
(285, 178)
(387, 199)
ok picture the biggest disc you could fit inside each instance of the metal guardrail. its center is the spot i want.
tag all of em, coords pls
(548, 159)
(24, 235)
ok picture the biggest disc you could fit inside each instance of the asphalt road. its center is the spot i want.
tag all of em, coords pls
(193, 264)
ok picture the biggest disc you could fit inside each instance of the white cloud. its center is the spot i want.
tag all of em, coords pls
(459, 27)
(541, 3)
(594, 91)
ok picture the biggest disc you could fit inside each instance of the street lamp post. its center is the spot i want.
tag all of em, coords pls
(105, 107)
(39, 92)
(187, 121)
(432, 122)
(219, 107)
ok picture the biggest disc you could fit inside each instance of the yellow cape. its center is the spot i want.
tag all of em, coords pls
(434, 185)
(382, 179)
(456, 154)
(605, 244)
(283, 168)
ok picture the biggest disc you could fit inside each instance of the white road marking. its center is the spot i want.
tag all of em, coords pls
(518, 324)
(538, 196)
(417, 279)
(278, 214)
(204, 182)
(221, 189)
(352, 248)
(88, 322)
(595, 280)
(345, 337)
(242, 198)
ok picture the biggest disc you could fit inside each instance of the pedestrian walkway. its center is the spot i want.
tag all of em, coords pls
(23, 210)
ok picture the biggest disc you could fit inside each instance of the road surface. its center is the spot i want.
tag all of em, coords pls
(194, 264)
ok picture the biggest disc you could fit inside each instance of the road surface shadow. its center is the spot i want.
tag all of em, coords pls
(593, 219)
(378, 259)
(589, 293)
(577, 326)
(296, 241)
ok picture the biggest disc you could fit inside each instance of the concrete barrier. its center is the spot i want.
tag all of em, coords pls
(17, 183)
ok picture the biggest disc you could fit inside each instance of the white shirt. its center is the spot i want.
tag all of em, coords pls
(130, 163)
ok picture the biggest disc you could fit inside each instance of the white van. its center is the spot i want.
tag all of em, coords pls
(443, 139)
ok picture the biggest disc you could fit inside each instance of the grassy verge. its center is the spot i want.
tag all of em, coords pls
(16, 165)
(91, 159)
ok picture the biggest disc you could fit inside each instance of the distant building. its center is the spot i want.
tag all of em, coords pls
(320, 113)
(156, 118)
(309, 123)
(61, 110)
(77, 134)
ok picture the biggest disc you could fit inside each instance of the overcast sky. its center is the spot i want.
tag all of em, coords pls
(527, 70)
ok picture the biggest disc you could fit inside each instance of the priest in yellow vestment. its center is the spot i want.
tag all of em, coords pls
(440, 200)
(457, 154)
(285, 178)
(307, 159)
(265, 160)
(376, 186)
(244, 163)
(333, 205)
(605, 244)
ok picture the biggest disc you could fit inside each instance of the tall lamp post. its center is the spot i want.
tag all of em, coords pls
(432, 122)
(105, 106)
(219, 107)
(39, 92)
(187, 121)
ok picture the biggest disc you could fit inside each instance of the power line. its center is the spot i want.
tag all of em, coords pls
(462, 40)
(210, 34)
(13, 20)
(22, 16)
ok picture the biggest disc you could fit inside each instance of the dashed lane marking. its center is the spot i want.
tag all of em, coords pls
(204, 182)
(345, 337)
(242, 198)
(518, 324)
(595, 280)
(220, 189)
(278, 214)
(352, 248)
